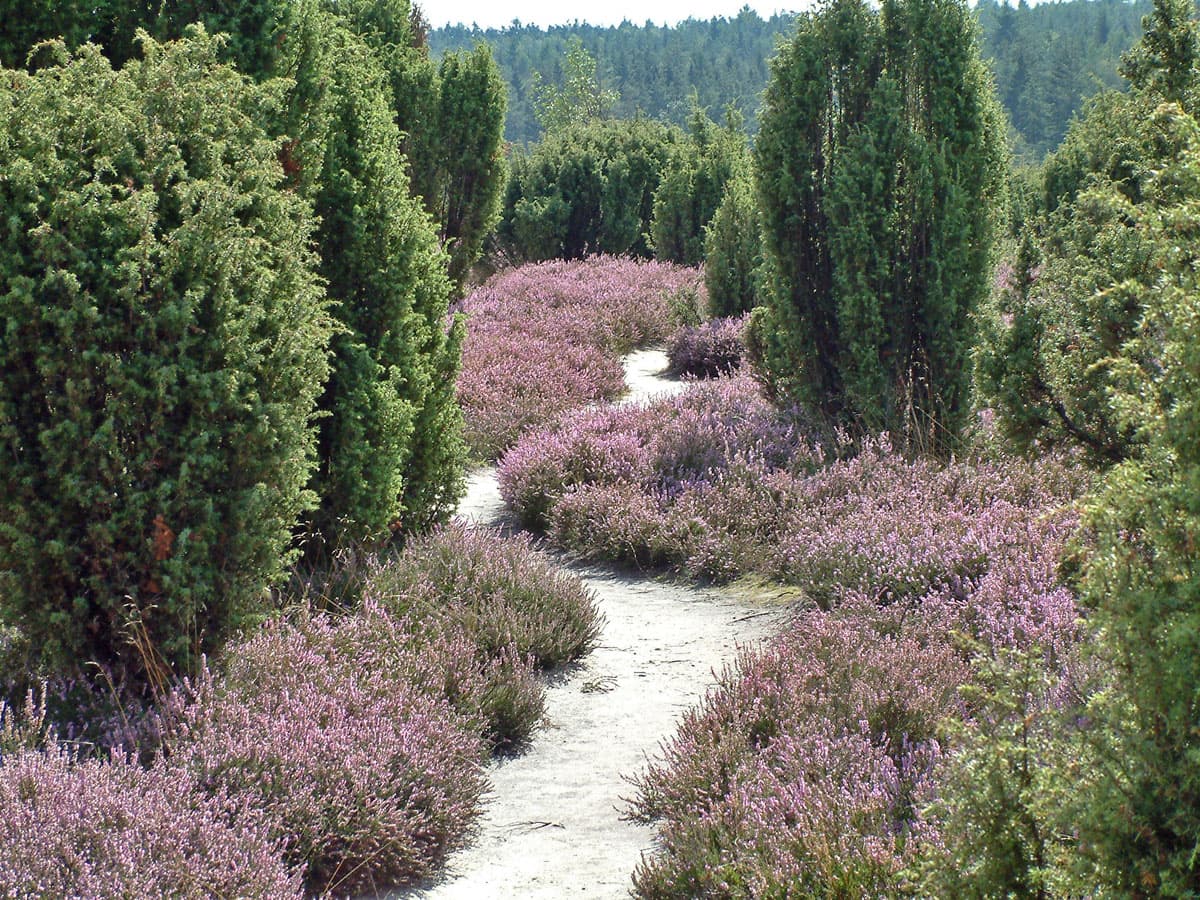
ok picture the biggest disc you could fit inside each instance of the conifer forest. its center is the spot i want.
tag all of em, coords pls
(747, 458)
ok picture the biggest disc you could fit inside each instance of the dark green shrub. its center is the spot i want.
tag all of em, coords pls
(1142, 812)
(881, 167)
(733, 251)
(451, 117)
(464, 189)
(692, 187)
(1066, 313)
(586, 189)
(162, 344)
(390, 449)
(255, 29)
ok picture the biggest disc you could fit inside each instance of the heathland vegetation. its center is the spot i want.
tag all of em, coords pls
(269, 286)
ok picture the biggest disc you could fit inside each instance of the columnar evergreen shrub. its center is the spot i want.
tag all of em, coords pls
(162, 345)
(733, 250)
(451, 118)
(1143, 815)
(880, 169)
(392, 358)
(692, 187)
(467, 183)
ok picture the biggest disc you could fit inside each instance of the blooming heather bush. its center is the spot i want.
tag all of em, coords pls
(708, 350)
(716, 482)
(667, 447)
(95, 830)
(498, 694)
(795, 775)
(878, 522)
(24, 727)
(358, 761)
(498, 590)
(546, 338)
(800, 775)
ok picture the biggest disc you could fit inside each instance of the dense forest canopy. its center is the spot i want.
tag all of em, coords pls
(1047, 59)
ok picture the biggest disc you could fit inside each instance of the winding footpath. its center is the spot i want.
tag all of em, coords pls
(552, 827)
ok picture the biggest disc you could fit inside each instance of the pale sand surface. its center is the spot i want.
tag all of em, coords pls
(552, 826)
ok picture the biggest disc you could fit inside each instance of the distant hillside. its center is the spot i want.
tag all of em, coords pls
(1047, 59)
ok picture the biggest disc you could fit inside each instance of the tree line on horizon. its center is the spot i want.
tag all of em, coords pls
(1046, 59)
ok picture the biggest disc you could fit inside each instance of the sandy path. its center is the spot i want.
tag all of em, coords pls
(552, 826)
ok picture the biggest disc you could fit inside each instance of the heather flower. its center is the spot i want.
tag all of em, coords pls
(547, 338)
(94, 830)
(796, 774)
(708, 350)
(497, 590)
(361, 766)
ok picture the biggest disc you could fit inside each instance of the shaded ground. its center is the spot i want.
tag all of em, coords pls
(552, 827)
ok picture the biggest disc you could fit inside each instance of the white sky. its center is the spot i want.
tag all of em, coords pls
(500, 13)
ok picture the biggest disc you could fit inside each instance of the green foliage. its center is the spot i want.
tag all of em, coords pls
(39, 20)
(880, 178)
(1110, 142)
(1047, 361)
(580, 100)
(255, 29)
(1062, 329)
(162, 346)
(586, 189)
(1164, 61)
(733, 250)
(1143, 577)
(1003, 802)
(464, 187)
(451, 116)
(381, 261)
(692, 187)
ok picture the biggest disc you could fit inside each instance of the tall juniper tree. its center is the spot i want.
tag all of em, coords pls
(880, 167)
(451, 120)
(380, 258)
(163, 342)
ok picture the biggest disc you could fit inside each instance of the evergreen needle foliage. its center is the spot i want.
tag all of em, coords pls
(692, 187)
(162, 346)
(586, 189)
(880, 169)
(386, 272)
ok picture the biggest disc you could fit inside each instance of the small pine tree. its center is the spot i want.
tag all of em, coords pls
(464, 197)
(1164, 61)
(451, 119)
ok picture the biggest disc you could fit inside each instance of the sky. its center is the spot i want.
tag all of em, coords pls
(500, 13)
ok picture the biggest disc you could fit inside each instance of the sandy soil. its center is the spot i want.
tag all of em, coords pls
(553, 826)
